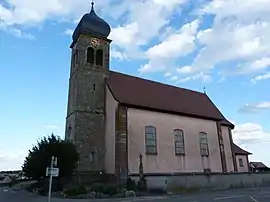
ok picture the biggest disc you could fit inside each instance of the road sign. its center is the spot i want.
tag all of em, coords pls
(54, 171)
(55, 161)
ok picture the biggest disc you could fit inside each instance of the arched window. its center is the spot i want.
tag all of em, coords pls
(99, 57)
(73, 61)
(76, 56)
(150, 140)
(90, 55)
(179, 142)
(204, 144)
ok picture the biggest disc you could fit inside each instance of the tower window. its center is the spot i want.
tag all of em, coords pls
(90, 55)
(99, 57)
(73, 60)
(76, 56)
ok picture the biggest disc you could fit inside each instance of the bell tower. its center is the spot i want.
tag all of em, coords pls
(85, 121)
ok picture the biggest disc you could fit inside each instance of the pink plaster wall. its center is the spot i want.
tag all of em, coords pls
(111, 106)
(242, 168)
(166, 161)
(227, 148)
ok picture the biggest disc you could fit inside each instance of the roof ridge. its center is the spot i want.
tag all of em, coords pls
(157, 82)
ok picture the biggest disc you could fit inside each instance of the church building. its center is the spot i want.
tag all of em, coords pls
(113, 118)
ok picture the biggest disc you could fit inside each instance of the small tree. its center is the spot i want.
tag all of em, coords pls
(40, 157)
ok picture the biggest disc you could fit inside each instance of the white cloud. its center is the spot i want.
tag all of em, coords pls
(235, 36)
(250, 133)
(253, 108)
(28, 13)
(68, 32)
(15, 31)
(12, 160)
(204, 77)
(261, 77)
(250, 67)
(174, 78)
(254, 138)
(247, 133)
(178, 44)
(184, 70)
(124, 36)
(232, 41)
(117, 54)
(239, 33)
(167, 74)
(260, 64)
(140, 27)
(31, 12)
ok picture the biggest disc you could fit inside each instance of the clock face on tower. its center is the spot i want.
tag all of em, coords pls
(95, 42)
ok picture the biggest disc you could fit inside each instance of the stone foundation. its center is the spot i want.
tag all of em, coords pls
(91, 177)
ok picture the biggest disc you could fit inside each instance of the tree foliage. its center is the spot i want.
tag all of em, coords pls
(39, 157)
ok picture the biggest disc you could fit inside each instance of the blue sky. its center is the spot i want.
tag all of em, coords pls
(222, 45)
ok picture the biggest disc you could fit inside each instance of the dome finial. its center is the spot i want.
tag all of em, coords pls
(92, 5)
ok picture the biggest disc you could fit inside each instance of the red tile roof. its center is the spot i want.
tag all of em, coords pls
(156, 96)
(238, 150)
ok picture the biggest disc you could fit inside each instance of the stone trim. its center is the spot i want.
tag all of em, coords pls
(233, 154)
(248, 164)
(222, 153)
(121, 144)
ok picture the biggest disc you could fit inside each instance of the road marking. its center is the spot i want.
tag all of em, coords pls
(229, 197)
(265, 193)
(150, 198)
(253, 199)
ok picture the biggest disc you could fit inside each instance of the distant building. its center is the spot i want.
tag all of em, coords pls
(242, 160)
(8, 175)
(6, 180)
(258, 167)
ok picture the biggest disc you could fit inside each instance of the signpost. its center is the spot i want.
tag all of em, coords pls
(52, 172)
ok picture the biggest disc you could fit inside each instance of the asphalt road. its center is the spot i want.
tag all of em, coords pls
(240, 195)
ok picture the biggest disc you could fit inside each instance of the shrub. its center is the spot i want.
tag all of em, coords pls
(131, 185)
(76, 191)
(98, 187)
(108, 189)
(43, 186)
(111, 189)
